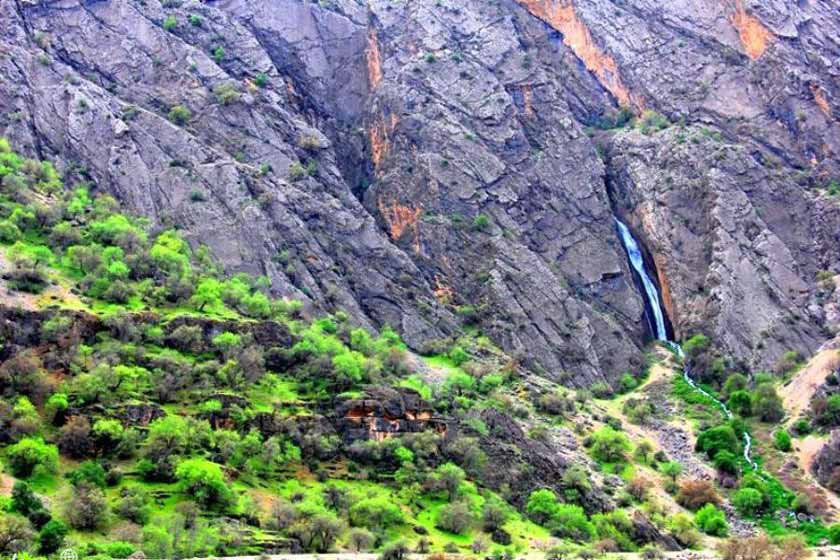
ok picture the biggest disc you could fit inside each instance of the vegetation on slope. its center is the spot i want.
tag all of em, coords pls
(154, 404)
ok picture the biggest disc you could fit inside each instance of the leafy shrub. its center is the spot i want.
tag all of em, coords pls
(735, 382)
(711, 521)
(119, 549)
(782, 441)
(682, 527)
(802, 427)
(134, 505)
(726, 461)
(569, 521)
(9, 232)
(481, 223)
(694, 494)
(89, 472)
(179, 115)
(226, 93)
(170, 22)
(458, 355)
(627, 383)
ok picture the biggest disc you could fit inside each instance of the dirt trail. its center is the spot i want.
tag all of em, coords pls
(797, 394)
(6, 483)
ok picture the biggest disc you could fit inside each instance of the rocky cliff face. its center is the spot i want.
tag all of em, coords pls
(407, 161)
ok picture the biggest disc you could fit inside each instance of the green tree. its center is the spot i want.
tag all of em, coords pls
(51, 536)
(747, 501)
(227, 343)
(15, 534)
(454, 518)
(56, 406)
(377, 513)
(740, 402)
(735, 382)
(711, 521)
(569, 521)
(349, 367)
(29, 453)
(87, 508)
(610, 446)
(767, 404)
(718, 438)
(205, 482)
(672, 470)
(542, 505)
(24, 500)
(449, 478)
(207, 293)
(494, 515)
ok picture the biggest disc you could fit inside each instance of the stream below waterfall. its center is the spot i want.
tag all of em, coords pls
(651, 293)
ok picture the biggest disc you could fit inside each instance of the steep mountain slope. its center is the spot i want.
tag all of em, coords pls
(422, 164)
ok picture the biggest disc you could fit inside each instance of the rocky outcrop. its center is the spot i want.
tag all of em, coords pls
(139, 414)
(383, 413)
(738, 242)
(826, 465)
(531, 464)
(404, 161)
(646, 532)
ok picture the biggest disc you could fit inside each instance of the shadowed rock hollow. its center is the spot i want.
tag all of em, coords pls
(415, 163)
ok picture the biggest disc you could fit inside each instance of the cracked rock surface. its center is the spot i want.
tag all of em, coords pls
(411, 161)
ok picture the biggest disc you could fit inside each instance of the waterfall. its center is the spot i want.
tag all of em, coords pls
(634, 253)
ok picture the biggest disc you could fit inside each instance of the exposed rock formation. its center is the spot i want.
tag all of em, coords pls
(384, 413)
(826, 466)
(399, 160)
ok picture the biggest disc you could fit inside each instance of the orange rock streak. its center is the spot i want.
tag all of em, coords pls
(561, 15)
(374, 60)
(401, 219)
(755, 38)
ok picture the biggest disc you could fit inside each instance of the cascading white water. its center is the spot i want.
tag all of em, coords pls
(637, 261)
